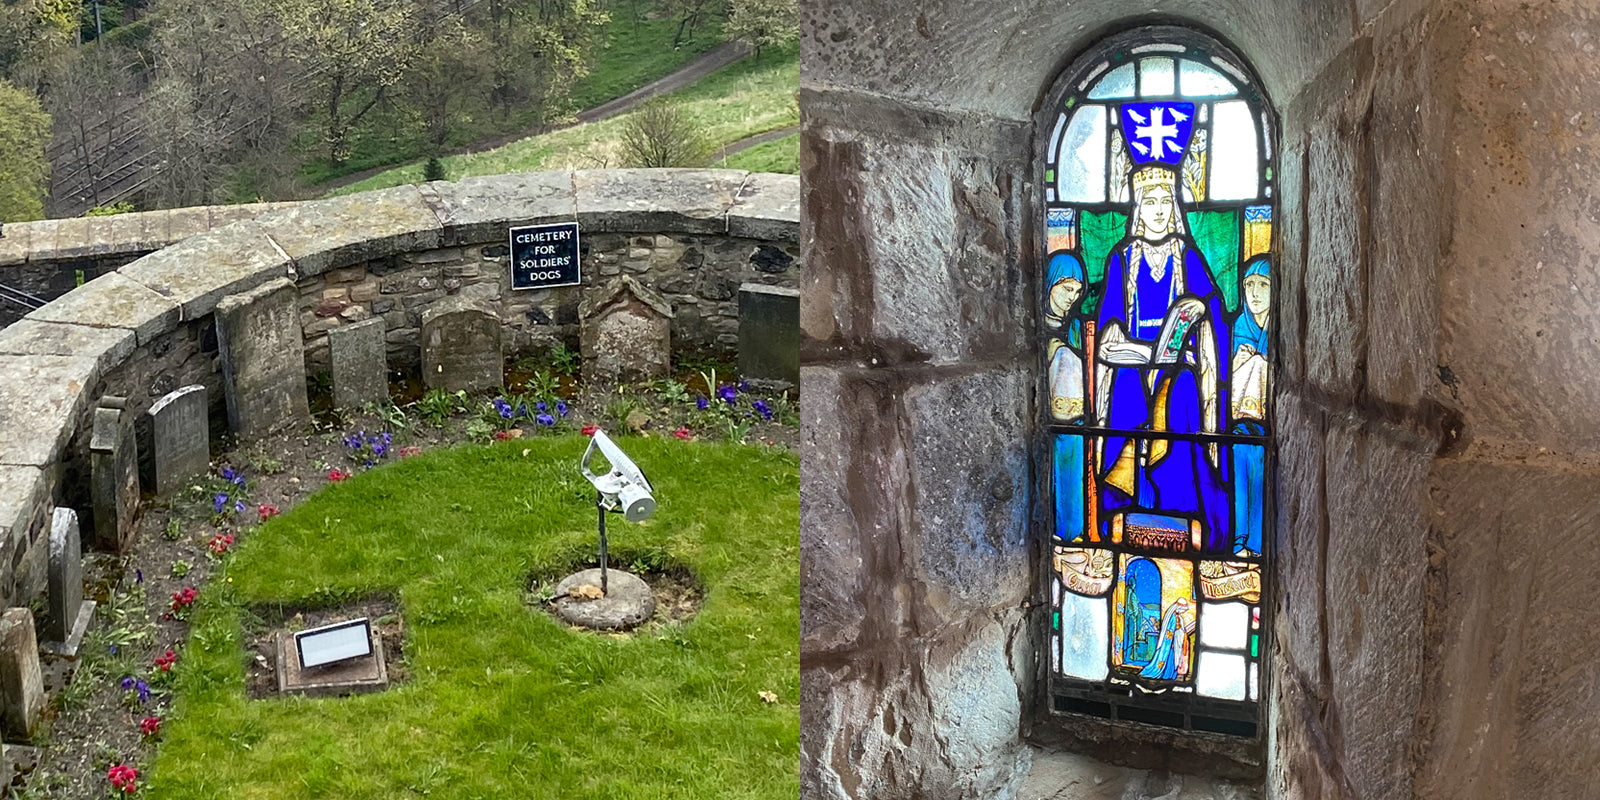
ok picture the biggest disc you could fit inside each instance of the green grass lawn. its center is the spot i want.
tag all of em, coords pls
(636, 51)
(502, 700)
(778, 155)
(747, 97)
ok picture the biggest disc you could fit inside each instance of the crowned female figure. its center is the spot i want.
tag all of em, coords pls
(1160, 331)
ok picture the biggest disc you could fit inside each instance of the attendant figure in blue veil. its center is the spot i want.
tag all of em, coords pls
(1066, 388)
(1159, 335)
(1248, 405)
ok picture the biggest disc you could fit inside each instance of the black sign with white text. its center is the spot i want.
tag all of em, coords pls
(544, 255)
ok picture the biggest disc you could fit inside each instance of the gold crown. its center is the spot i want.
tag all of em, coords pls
(1154, 176)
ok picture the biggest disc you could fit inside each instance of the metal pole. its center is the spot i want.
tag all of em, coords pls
(599, 505)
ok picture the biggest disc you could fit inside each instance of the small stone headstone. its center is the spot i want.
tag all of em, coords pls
(180, 438)
(360, 366)
(461, 346)
(114, 475)
(769, 334)
(21, 681)
(263, 359)
(625, 333)
(65, 576)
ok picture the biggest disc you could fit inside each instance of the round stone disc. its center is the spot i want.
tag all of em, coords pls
(628, 601)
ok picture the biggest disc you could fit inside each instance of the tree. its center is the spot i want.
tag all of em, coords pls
(35, 35)
(762, 23)
(659, 134)
(352, 52)
(24, 132)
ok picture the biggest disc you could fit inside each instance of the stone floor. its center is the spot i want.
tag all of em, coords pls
(1056, 775)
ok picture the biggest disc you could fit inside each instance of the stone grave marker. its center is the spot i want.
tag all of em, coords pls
(461, 347)
(113, 474)
(360, 364)
(180, 438)
(769, 334)
(66, 613)
(21, 681)
(625, 333)
(263, 359)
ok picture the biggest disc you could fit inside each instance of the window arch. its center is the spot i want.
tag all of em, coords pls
(1157, 173)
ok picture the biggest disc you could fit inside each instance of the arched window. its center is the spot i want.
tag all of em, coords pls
(1157, 344)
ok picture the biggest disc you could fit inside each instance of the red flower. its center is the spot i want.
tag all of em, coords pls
(164, 663)
(123, 777)
(150, 726)
(184, 598)
(267, 511)
(335, 475)
(501, 436)
(683, 433)
(590, 430)
(220, 543)
(407, 452)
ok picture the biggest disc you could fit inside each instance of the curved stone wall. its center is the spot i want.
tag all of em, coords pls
(146, 328)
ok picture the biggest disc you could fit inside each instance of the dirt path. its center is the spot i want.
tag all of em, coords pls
(760, 138)
(704, 64)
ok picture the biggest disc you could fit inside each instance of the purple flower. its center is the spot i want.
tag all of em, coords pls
(113, 649)
(503, 407)
(238, 481)
(143, 689)
(541, 407)
(228, 474)
(763, 409)
(561, 407)
(138, 576)
(379, 450)
(238, 505)
(127, 683)
(370, 462)
(744, 386)
(727, 394)
(353, 441)
(545, 420)
(386, 439)
(218, 502)
(700, 402)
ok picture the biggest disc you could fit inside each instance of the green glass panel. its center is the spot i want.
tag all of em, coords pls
(1217, 234)
(1100, 232)
(1049, 176)
(1055, 621)
(1255, 645)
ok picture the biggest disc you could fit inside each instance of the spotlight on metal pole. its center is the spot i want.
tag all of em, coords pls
(622, 487)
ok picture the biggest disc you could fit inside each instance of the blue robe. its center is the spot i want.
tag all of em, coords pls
(1171, 661)
(1249, 460)
(1182, 480)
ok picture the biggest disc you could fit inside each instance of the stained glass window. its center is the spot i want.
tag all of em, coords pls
(1157, 344)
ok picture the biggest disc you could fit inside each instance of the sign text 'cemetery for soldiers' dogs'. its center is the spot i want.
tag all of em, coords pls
(543, 256)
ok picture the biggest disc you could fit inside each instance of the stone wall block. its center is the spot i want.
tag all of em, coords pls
(1509, 674)
(969, 453)
(1336, 318)
(685, 200)
(325, 234)
(114, 301)
(477, 210)
(201, 270)
(41, 400)
(1377, 501)
(25, 507)
(833, 592)
(766, 207)
(109, 347)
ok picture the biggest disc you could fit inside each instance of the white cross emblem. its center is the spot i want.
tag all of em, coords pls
(1157, 134)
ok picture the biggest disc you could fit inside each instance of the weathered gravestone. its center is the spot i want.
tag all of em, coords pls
(461, 346)
(21, 681)
(66, 613)
(360, 364)
(180, 438)
(113, 474)
(263, 359)
(769, 334)
(625, 333)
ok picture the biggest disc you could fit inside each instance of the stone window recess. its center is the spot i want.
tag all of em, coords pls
(1156, 188)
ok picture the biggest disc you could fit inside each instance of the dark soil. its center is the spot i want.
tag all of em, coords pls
(92, 723)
